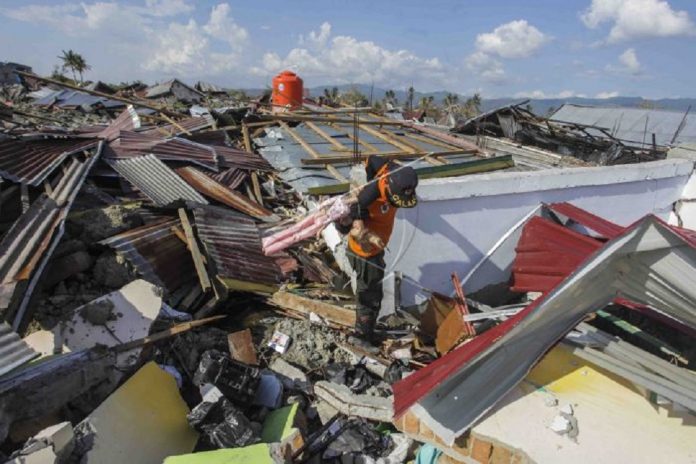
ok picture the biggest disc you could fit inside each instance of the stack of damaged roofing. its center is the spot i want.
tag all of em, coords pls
(42, 175)
(43, 172)
(603, 136)
(580, 264)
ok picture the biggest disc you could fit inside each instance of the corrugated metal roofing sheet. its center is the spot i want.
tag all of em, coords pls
(191, 124)
(31, 161)
(156, 253)
(132, 144)
(126, 121)
(285, 154)
(28, 245)
(649, 263)
(156, 180)
(13, 350)
(546, 253)
(233, 158)
(633, 125)
(213, 189)
(233, 242)
(72, 99)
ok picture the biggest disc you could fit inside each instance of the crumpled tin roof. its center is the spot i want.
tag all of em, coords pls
(156, 253)
(634, 126)
(156, 180)
(13, 350)
(31, 161)
(131, 144)
(233, 242)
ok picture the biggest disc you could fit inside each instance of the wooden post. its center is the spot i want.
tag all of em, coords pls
(195, 251)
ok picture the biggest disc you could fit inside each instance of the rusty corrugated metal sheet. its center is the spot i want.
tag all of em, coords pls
(233, 243)
(31, 161)
(156, 180)
(233, 158)
(13, 350)
(126, 121)
(27, 247)
(213, 189)
(190, 124)
(133, 144)
(157, 253)
(231, 178)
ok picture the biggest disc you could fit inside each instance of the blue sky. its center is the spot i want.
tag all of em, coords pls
(496, 47)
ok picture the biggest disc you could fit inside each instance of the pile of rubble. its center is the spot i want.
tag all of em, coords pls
(153, 316)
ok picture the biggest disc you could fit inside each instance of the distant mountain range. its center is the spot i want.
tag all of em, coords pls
(540, 106)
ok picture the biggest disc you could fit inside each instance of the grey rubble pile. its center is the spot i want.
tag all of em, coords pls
(143, 321)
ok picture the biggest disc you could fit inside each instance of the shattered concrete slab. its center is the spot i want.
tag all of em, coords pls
(118, 317)
(341, 398)
(52, 445)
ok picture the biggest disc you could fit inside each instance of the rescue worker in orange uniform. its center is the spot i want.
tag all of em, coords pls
(390, 186)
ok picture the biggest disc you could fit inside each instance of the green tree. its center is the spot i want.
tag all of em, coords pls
(332, 95)
(390, 97)
(426, 103)
(472, 106)
(75, 63)
(451, 102)
(354, 97)
(411, 95)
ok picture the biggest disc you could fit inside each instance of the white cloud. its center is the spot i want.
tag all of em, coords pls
(516, 39)
(628, 64)
(486, 67)
(605, 95)
(637, 18)
(630, 61)
(317, 40)
(180, 49)
(223, 27)
(167, 7)
(345, 59)
(144, 34)
(540, 94)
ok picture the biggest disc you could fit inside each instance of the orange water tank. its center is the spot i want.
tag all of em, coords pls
(287, 91)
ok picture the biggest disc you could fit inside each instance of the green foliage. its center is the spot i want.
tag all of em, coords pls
(75, 63)
(354, 97)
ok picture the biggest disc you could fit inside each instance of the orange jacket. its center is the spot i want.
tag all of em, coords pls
(380, 220)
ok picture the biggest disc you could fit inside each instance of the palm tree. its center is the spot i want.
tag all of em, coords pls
(390, 97)
(75, 63)
(472, 106)
(451, 101)
(411, 95)
(426, 103)
(331, 95)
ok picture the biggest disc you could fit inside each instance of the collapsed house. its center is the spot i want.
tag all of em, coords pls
(173, 288)
(599, 135)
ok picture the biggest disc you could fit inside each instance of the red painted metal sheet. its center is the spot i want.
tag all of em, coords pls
(606, 229)
(546, 253)
(414, 387)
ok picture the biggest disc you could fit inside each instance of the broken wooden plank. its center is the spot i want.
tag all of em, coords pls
(170, 332)
(336, 314)
(195, 251)
(242, 347)
(434, 172)
(342, 159)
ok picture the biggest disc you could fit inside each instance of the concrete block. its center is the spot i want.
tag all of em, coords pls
(369, 407)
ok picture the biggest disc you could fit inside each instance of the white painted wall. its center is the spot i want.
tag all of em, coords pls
(458, 220)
